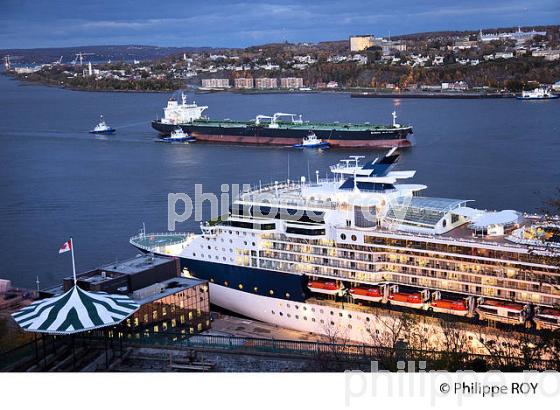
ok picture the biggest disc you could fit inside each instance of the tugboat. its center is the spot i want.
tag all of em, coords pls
(102, 128)
(311, 141)
(178, 136)
(537, 94)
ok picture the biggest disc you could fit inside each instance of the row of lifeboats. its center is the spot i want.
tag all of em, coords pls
(485, 309)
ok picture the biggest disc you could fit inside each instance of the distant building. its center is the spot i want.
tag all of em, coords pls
(360, 43)
(265, 83)
(336, 59)
(360, 59)
(305, 59)
(332, 84)
(456, 86)
(464, 44)
(291, 82)
(215, 83)
(549, 55)
(438, 60)
(246, 83)
(556, 86)
(270, 67)
(518, 36)
(505, 55)
(388, 46)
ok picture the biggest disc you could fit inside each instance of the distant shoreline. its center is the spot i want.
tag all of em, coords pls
(354, 93)
(27, 82)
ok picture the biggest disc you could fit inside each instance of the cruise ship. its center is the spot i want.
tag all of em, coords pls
(327, 255)
(278, 129)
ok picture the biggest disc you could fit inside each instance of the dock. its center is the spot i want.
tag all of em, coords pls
(451, 96)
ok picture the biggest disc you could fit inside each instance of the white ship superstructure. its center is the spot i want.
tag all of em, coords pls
(184, 113)
(541, 93)
(328, 255)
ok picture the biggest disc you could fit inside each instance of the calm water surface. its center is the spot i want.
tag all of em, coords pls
(57, 180)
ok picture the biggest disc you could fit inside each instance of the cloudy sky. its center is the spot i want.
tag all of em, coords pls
(47, 23)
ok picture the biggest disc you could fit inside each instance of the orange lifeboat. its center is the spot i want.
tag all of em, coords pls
(414, 300)
(327, 288)
(455, 307)
(373, 294)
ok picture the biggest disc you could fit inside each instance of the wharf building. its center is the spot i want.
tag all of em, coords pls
(168, 302)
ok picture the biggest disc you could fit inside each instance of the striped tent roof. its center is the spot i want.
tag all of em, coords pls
(75, 311)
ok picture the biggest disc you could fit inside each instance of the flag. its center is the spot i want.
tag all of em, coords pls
(66, 247)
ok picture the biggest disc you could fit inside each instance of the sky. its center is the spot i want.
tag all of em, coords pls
(219, 23)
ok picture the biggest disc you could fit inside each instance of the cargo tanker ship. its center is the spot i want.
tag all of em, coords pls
(277, 129)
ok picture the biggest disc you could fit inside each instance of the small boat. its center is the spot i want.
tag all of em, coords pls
(537, 94)
(328, 288)
(506, 312)
(456, 307)
(406, 298)
(373, 294)
(178, 136)
(311, 141)
(547, 318)
(413, 300)
(102, 128)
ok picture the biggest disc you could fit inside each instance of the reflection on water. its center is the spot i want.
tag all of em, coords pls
(58, 180)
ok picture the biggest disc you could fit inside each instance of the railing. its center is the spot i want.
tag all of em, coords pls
(251, 345)
(253, 194)
(146, 243)
(333, 351)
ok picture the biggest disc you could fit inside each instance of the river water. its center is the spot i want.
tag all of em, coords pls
(57, 180)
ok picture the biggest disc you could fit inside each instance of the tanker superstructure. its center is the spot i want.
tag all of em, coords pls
(277, 129)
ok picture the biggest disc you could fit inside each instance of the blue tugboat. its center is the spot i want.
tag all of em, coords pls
(178, 136)
(311, 141)
(102, 128)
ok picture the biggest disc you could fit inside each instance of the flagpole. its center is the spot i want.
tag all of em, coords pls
(73, 261)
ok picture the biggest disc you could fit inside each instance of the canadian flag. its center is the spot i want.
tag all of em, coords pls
(66, 246)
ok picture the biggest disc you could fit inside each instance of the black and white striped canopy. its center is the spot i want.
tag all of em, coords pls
(75, 311)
